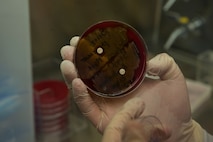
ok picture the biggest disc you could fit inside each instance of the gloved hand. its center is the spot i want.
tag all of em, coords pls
(128, 126)
(165, 98)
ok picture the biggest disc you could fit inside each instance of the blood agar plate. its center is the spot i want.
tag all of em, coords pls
(110, 58)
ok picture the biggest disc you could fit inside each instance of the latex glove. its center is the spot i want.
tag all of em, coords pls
(128, 126)
(130, 111)
(166, 98)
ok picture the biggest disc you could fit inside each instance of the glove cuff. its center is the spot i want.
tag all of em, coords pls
(198, 133)
(191, 132)
(207, 137)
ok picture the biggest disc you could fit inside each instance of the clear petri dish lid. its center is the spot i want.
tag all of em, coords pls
(110, 58)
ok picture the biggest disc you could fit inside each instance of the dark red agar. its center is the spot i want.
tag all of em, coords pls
(110, 58)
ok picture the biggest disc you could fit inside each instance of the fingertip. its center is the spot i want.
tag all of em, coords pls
(164, 66)
(137, 104)
(74, 41)
(67, 52)
(67, 66)
(63, 51)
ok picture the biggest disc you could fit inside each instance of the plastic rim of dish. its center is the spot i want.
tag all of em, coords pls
(110, 58)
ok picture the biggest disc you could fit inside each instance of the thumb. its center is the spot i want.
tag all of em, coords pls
(145, 129)
(164, 66)
(132, 109)
(74, 41)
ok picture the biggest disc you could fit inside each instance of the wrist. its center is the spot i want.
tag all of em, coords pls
(191, 132)
(207, 137)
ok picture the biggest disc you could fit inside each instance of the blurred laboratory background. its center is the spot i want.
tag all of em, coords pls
(33, 32)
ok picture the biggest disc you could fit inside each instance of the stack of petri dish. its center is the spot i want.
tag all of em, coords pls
(52, 105)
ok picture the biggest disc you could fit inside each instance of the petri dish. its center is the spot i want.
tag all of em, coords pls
(110, 58)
